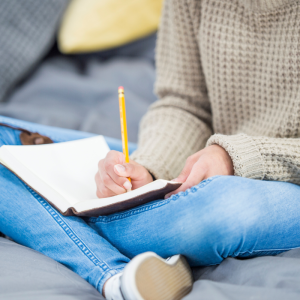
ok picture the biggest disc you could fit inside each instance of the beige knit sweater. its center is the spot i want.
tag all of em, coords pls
(228, 74)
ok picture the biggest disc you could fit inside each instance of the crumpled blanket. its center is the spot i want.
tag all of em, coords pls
(265, 278)
(27, 274)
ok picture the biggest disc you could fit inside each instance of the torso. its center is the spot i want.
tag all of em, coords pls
(251, 63)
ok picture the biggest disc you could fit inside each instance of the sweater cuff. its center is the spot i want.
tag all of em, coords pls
(245, 155)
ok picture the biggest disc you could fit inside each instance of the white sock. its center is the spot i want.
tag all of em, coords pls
(112, 288)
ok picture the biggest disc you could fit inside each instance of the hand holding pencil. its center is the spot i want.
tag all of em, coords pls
(117, 173)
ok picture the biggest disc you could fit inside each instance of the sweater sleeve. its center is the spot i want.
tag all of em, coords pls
(262, 157)
(179, 124)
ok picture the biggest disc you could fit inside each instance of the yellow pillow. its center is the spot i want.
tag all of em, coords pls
(93, 25)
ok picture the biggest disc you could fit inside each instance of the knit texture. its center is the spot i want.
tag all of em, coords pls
(228, 73)
(27, 32)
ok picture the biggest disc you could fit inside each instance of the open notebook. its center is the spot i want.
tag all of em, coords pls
(63, 174)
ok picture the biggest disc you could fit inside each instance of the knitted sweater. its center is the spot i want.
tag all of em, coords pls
(228, 74)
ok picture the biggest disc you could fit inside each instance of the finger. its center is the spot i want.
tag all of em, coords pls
(109, 183)
(97, 175)
(101, 191)
(117, 184)
(103, 179)
(120, 181)
(106, 169)
(104, 192)
(115, 157)
(187, 169)
(197, 174)
(134, 171)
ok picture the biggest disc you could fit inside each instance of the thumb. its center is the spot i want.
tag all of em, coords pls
(196, 176)
(182, 177)
(135, 172)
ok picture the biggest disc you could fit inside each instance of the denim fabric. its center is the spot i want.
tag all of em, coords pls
(223, 216)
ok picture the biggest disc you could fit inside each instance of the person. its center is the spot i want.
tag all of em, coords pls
(226, 125)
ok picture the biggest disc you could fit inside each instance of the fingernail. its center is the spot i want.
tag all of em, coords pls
(127, 185)
(120, 168)
(175, 179)
(167, 196)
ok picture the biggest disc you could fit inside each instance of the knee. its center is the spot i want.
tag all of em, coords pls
(220, 214)
(229, 207)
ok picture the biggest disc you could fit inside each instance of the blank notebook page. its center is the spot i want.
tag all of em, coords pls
(69, 168)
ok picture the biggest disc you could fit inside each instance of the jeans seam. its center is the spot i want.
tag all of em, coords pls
(70, 233)
(107, 219)
(193, 189)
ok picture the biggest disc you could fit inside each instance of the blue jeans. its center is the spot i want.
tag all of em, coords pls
(223, 216)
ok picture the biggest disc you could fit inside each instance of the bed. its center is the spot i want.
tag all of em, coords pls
(80, 92)
(27, 274)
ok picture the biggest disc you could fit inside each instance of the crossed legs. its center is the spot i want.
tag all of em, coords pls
(222, 216)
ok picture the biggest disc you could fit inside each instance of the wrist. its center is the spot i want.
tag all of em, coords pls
(222, 159)
(227, 161)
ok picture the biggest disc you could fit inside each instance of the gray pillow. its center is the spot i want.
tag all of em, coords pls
(28, 275)
(27, 31)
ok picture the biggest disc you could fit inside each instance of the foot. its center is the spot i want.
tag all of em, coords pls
(149, 277)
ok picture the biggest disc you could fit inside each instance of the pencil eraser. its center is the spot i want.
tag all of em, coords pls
(121, 88)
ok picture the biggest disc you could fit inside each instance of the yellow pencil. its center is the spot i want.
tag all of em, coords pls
(123, 124)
